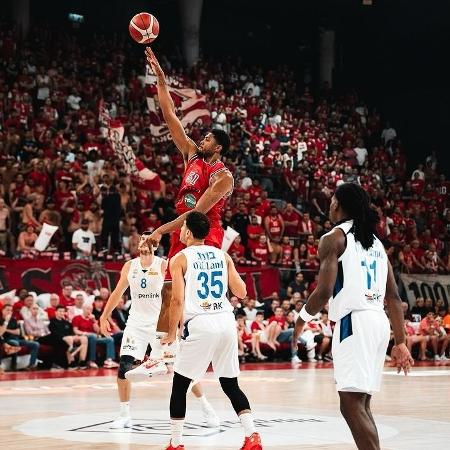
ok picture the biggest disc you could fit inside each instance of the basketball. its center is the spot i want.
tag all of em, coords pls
(144, 28)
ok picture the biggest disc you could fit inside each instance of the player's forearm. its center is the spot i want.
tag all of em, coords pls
(394, 306)
(111, 304)
(165, 99)
(174, 225)
(176, 313)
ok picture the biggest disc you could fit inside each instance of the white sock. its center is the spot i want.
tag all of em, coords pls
(203, 401)
(247, 423)
(124, 409)
(176, 428)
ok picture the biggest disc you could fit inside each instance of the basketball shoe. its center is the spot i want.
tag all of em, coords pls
(121, 422)
(211, 418)
(252, 443)
(147, 369)
(171, 447)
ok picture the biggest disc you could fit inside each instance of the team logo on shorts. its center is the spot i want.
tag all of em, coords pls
(129, 343)
(190, 201)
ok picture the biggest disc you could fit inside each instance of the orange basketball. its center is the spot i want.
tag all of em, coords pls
(144, 28)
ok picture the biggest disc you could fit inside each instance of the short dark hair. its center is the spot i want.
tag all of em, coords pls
(198, 224)
(260, 313)
(60, 307)
(222, 139)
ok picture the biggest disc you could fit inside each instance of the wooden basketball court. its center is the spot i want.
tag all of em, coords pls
(295, 408)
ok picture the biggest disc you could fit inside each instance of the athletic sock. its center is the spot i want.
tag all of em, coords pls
(176, 428)
(124, 409)
(203, 401)
(247, 423)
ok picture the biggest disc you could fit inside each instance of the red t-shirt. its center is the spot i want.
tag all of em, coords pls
(66, 301)
(83, 324)
(280, 320)
(50, 312)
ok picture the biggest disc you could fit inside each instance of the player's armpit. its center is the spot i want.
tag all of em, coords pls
(118, 291)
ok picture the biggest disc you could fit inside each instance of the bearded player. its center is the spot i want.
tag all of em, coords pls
(206, 183)
(144, 276)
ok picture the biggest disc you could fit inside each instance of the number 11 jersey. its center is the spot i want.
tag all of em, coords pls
(361, 278)
(206, 281)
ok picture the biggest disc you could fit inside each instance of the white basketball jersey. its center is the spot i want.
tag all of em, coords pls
(361, 279)
(145, 289)
(206, 281)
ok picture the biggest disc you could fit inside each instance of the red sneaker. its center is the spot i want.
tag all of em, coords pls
(252, 443)
(171, 447)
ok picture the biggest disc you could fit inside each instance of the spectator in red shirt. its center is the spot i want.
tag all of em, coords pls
(430, 326)
(291, 220)
(237, 251)
(262, 251)
(274, 226)
(254, 232)
(51, 309)
(87, 325)
(65, 297)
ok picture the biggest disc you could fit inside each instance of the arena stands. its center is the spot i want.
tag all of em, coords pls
(290, 148)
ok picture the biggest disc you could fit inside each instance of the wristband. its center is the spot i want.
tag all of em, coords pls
(305, 315)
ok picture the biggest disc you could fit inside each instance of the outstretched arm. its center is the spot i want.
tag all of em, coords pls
(221, 184)
(331, 246)
(185, 144)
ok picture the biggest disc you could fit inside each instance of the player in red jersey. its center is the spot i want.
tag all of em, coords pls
(206, 182)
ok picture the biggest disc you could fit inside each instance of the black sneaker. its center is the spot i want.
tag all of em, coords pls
(73, 366)
(82, 365)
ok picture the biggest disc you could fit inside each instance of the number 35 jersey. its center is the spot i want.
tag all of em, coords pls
(361, 278)
(145, 288)
(206, 280)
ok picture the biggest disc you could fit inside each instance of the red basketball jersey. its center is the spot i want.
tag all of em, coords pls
(197, 178)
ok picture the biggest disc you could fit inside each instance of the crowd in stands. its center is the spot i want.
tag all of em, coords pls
(290, 149)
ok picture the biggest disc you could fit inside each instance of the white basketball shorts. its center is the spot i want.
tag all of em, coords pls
(136, 338)
(208, 338)
(359, 347)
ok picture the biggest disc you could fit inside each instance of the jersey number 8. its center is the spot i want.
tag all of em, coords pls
(213, 285)
(143, 283)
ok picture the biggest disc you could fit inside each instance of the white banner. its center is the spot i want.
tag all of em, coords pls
(228, 238)
(426, 286)
(44, 237)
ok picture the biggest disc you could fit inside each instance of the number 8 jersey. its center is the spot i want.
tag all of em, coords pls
(361, 278)
(206, 280)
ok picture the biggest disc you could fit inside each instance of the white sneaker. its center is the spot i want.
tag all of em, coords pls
(444, 358)
(437, 358)
(110, 364)
(311, 355)
(211, 418)
(296, 360)
(120, 423)
(147, 369)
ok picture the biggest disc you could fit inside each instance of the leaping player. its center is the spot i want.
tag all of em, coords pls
(204, 188)
(145, 277)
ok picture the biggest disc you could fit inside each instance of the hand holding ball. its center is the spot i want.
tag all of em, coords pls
(144, 28)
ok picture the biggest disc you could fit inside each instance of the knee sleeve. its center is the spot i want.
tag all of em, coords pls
(232, 390)
(125, 364)
(180, 387)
